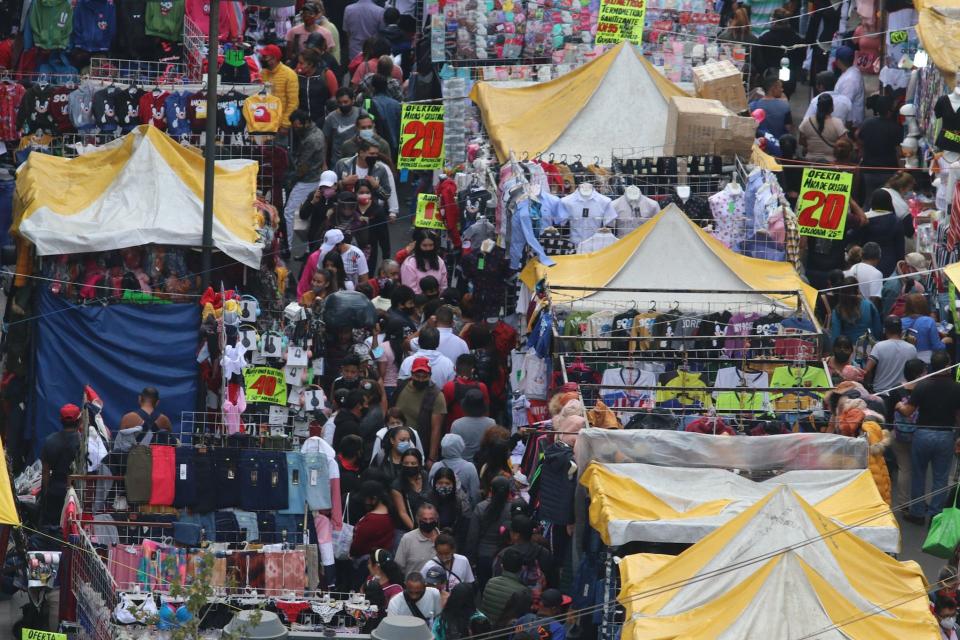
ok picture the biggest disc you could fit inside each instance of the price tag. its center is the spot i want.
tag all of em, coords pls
(265, 384)
(822, 203)
(899, 37)
(620, 20)
(428, 212)
(421, 137)
(35, 634)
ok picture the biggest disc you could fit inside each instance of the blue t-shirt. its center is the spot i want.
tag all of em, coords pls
(778, 115)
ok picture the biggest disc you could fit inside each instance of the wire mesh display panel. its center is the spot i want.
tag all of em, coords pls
(194, 48)
(93, 588)
(611, 624)
(143, 71)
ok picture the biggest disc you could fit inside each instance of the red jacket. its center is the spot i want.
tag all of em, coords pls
(447, 192)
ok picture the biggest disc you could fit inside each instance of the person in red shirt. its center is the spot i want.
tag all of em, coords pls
(456, 389)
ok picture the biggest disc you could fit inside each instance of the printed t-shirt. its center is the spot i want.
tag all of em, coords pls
(784, 377)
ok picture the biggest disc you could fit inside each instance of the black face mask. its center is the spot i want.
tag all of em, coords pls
(411, 472)
(345, 108)
(427, 527)
(421, 384)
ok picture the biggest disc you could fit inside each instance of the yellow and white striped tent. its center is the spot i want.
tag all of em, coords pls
(782, 570)
(139, 189)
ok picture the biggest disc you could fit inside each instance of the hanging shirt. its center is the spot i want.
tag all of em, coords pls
(230, 112)
(672, 385)
(164, 19)
(949, 137)
(631, 214)
(740, 324)
(197, 111)
(597, 241)
(105, 109)
(128, 108)
(262, 113)
(728, 208)
(176, 110)
(620, 398)
(36, 110)
(81, 108)
(599, 324)
(11, 95)
(587, 214)
(740, 400)
(523, 235)
(556, 245)
(60, 109)
(695, 207)
(796, 378)
(153, 109)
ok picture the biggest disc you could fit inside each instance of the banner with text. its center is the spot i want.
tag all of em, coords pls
(428, 212)
(621, 20)
(265, 384)
(822, 203)
(421, 137)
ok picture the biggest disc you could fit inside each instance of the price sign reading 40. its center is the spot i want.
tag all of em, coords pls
(822, 203)
(421, 137)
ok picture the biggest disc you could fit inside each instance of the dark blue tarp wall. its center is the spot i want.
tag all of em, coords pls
(118, 350)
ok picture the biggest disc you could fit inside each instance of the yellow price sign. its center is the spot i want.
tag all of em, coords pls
(265, 384)
(822, 203)
(36, 634)
(428, 212)
(620, 20)
(421, 137)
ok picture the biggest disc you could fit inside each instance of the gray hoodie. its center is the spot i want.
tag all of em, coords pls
(451, 452)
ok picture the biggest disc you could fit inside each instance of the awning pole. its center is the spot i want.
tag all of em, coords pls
(209, 147)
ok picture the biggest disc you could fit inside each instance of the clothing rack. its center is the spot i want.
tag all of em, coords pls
(143, 71)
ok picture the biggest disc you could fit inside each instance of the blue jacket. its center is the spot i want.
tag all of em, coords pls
(869, 319)
(94, 24)
(928, 338)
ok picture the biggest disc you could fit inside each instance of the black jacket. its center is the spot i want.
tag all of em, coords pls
(346, 424)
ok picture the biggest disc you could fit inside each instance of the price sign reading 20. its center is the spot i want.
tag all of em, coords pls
(822, 203)
(421, 137)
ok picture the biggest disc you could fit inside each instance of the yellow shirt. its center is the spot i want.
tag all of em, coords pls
(285, 85)
(262, 113)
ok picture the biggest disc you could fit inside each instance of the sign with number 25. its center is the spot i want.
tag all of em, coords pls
(822, 203)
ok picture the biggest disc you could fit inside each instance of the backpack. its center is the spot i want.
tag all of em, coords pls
(533, 578)
(486, 366)
(460, 390)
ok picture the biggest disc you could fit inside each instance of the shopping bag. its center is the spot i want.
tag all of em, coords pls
(944, 534)
(343, 539)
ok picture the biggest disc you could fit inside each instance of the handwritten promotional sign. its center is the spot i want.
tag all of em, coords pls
(421, 137)
(265, 384)
(35, 634)
(621, 20)
(822, 204)
(428, 212)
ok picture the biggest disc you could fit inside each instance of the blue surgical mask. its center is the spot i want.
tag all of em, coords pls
(366, 134)
(403, 446)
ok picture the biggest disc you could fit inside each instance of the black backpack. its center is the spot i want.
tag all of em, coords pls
(486, 366)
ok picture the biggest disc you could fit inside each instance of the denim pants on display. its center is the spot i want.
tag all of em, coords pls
(930, 447)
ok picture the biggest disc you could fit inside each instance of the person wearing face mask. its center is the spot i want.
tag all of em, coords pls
(375, 529)
(341, 125)
(308, 165)
(314, 210)
(366, 130)
(391, 443)
(838, 364)
(455, 568)
(417, 546)
(452, 447)
(945, 610)
(374, 217)
(366, 165)
(322, 285)
(424, 261)
(318, 84)
(452, 503)
(283, 81)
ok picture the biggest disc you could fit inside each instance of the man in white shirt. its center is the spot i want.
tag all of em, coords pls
(868, 276)
(417, 594)
(587, 211)
(841, 103)
(451, 345)
(442, 370)
(850, 84)
(455, 568)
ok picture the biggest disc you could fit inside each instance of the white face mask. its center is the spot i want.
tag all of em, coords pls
(949, 622)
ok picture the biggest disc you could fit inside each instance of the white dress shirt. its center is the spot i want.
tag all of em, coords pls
(850, 84)
(587, 214)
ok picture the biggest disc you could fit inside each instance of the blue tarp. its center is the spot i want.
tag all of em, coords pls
(118, 350)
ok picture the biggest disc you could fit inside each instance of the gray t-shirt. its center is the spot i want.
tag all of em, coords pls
(890, 356)
(471, 430)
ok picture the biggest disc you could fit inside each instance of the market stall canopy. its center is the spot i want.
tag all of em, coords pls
(938, 28)
(952, 271)
(778, 570)
(644, 502)
(139, 189)
(618, 100)
(671, 253)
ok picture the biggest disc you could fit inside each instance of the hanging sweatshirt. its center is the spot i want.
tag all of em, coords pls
(262, 113)
(51, 22)
(132, 41)
(164, 19)
(105, 108)
(81, 108)
(36, 110)
(153, 109)
(11, 95)
(128, 108)
(94, 24)
(60, 109)
(197, 111)
(178, 124)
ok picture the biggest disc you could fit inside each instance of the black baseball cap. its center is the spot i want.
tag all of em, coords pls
(553, 598)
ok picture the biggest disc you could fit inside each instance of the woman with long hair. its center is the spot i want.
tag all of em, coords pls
(424, 261)
(396, 442)
(410, 490)
(921, 329)
(386, 572)
(333, 262)
(490, 519)
(821, 131)
(453, 506)
(493, 457)
(375, 529)
(853, 316)
(453, 623)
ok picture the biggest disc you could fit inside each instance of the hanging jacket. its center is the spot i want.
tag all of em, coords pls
(94, 24)
(315, 91)
(447, 192)
(165, 19)
(51, 22)
(36, 110)
(557, 485)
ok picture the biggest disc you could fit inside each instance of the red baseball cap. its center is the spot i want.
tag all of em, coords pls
(69, 413)
(421, 364)
(273, 51)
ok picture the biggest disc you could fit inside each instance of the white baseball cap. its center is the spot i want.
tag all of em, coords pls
(331, 238)
(328, 179)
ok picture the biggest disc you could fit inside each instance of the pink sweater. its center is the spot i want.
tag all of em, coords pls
(410, 275)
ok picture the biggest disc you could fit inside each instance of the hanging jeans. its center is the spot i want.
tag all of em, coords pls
(930, 447)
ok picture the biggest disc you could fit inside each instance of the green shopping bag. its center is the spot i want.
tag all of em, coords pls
(944, 534)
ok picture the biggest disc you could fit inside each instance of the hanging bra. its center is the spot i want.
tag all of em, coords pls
(172, 616)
